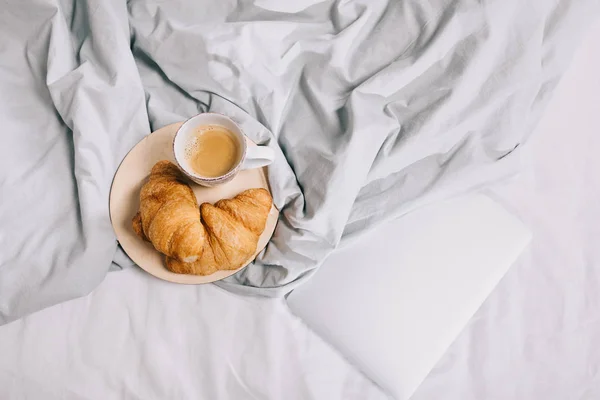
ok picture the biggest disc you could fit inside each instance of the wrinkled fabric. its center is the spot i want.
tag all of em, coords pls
(374, 108)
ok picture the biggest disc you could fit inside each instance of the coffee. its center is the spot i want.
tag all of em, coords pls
(212, 151)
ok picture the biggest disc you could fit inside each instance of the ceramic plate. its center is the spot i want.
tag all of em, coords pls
(124, 203)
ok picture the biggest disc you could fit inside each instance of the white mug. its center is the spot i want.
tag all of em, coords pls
(251, 156)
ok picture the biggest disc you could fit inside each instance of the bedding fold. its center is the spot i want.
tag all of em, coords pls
(374, 108)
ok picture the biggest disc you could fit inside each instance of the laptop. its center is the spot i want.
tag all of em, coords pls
(395, 301)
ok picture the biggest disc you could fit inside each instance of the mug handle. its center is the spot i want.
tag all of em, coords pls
(258, 156)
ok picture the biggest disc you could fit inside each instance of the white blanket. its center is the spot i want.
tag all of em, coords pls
(375, 107)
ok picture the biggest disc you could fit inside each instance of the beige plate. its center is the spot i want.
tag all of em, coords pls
(124, 203)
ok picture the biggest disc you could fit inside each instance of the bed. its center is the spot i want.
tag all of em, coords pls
(536, 335)
(137, 337)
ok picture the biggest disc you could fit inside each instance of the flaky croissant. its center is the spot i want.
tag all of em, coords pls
(169, 217)
(224, 238)
(233, 227)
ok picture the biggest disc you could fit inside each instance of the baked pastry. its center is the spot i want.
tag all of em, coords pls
(199, 241)
(233, 227)
(169, 217)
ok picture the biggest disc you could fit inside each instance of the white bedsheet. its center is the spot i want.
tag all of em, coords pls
(535, 338)
(137, 337)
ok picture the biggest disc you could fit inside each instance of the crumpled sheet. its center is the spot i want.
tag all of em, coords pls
(375, 107)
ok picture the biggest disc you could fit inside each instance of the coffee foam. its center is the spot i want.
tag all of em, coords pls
(191, 147)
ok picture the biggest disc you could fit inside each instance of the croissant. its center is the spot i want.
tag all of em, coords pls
(233, 227)
(224, 238)
(169, 217)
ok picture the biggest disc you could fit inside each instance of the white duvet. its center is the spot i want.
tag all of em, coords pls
(373, 107)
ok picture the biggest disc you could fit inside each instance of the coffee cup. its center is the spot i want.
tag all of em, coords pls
(210, 149)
